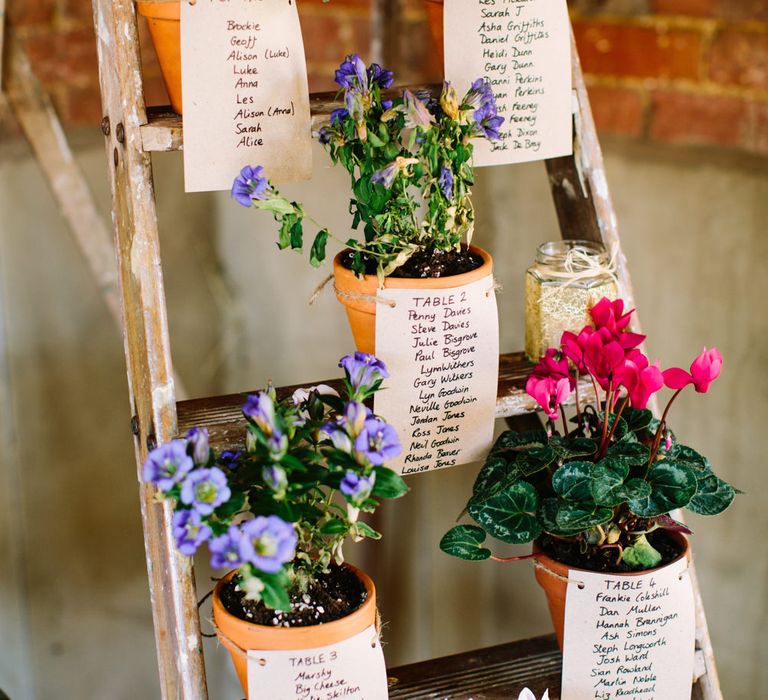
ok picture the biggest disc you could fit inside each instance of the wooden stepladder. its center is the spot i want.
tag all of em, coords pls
(131, 132)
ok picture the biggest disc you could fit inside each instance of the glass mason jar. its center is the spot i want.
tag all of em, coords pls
(568, 278)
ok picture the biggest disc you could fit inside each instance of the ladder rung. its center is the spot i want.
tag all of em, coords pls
(226, 425)
(493, 673)
(164, 131)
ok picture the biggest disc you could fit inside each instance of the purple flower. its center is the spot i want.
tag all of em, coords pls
(386, 176)
(363, 369)
(260, 408)
(356, 487)
(338, 436)
(231, 458)
(480, 95)
(189, 531)
(386, 105)
(167, 465)
(338, 116)
(416, 111)
(225, 549)
(250, 184)
(487, 122)
(352, 74)
(275, 477)
(205, 490)
(383, 77)
(324, 136)
(446, 182)
(201, 451)
(268, 542)
(377, 442)
(355, 415)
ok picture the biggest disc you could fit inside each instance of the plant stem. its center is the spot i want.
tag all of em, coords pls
(661, 428)
(606, 413)
(565, 423)
(521, 558)
(578, 406)
(604, 448)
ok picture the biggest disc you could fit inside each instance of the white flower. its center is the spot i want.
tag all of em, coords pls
(301, 395)
(253, 587)
(528, 695)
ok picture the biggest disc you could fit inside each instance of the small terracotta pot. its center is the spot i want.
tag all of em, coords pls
(164, 21)
(552, 576)
(238, 636)
(435, 16)
(362, 313)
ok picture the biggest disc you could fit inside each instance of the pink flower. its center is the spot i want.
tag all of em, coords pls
(610, 314)
(553, 364)
(573, 346)
(549, 392)
(641, 379)
(604, 358)
(704, 370)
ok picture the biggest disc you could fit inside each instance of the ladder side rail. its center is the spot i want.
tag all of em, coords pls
(146, 342)
(585, 211)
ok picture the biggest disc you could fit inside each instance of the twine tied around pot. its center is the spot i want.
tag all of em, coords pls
(581, 263)
(538, 565)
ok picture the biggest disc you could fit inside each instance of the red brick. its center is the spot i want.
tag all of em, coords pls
(742, 9)
(75, 10)
(740, 58)
(68, 58)
(617, 110)
(641, 52)
(683, 118)
(759, 140)
(78, 106)
(24, 13)
(685, 8)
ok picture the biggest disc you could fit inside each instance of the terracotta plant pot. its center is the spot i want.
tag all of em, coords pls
(435, 16)
(238, 636)
(362, 313)
(164, 21)
(552, 576)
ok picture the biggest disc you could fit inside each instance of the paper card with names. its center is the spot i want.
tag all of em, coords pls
(523, 47)
(441, 347)
(353, 669)
(629, 637)
(245, 92)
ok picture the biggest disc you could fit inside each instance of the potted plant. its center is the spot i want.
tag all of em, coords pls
(279, 511)
(410, 165)
(164, 22)
(597, 494)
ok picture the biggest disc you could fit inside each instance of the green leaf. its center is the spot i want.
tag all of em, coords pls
(575, 517)
(548, 511)
(636, 489)
(388, 484)
(465, 542)
(687, 455)
(513, 440)
(637, 419)
(608, 482)
(334, 527)
(632, 454)
(641, 555)
(569, 449)
(672, 486)
(297, 235)
(275, 595)
(233, 505)
(317, 254)
(495, 470)
(535, 459)
(573, 482)
(713, 495)
(622, 429)
(367, 531)
(510, 514)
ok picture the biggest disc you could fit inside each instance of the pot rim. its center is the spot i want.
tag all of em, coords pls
(286, 632)
(408, 282)
(557, 567)
(159, 10)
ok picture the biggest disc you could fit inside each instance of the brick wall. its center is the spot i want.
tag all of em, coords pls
(677, 71)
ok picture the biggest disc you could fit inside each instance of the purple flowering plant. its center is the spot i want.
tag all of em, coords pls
(280, 509)
(409, 157)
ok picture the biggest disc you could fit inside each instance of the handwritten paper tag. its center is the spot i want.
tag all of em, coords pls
(629, 637)
(524, 48)
(353, 669)
(245, 92)
(441, 347)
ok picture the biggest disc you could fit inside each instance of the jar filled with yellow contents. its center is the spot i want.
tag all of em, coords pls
(568, 278)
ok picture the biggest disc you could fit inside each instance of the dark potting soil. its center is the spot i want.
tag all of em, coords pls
(427, 264)
(334, 595)
(604, 560)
